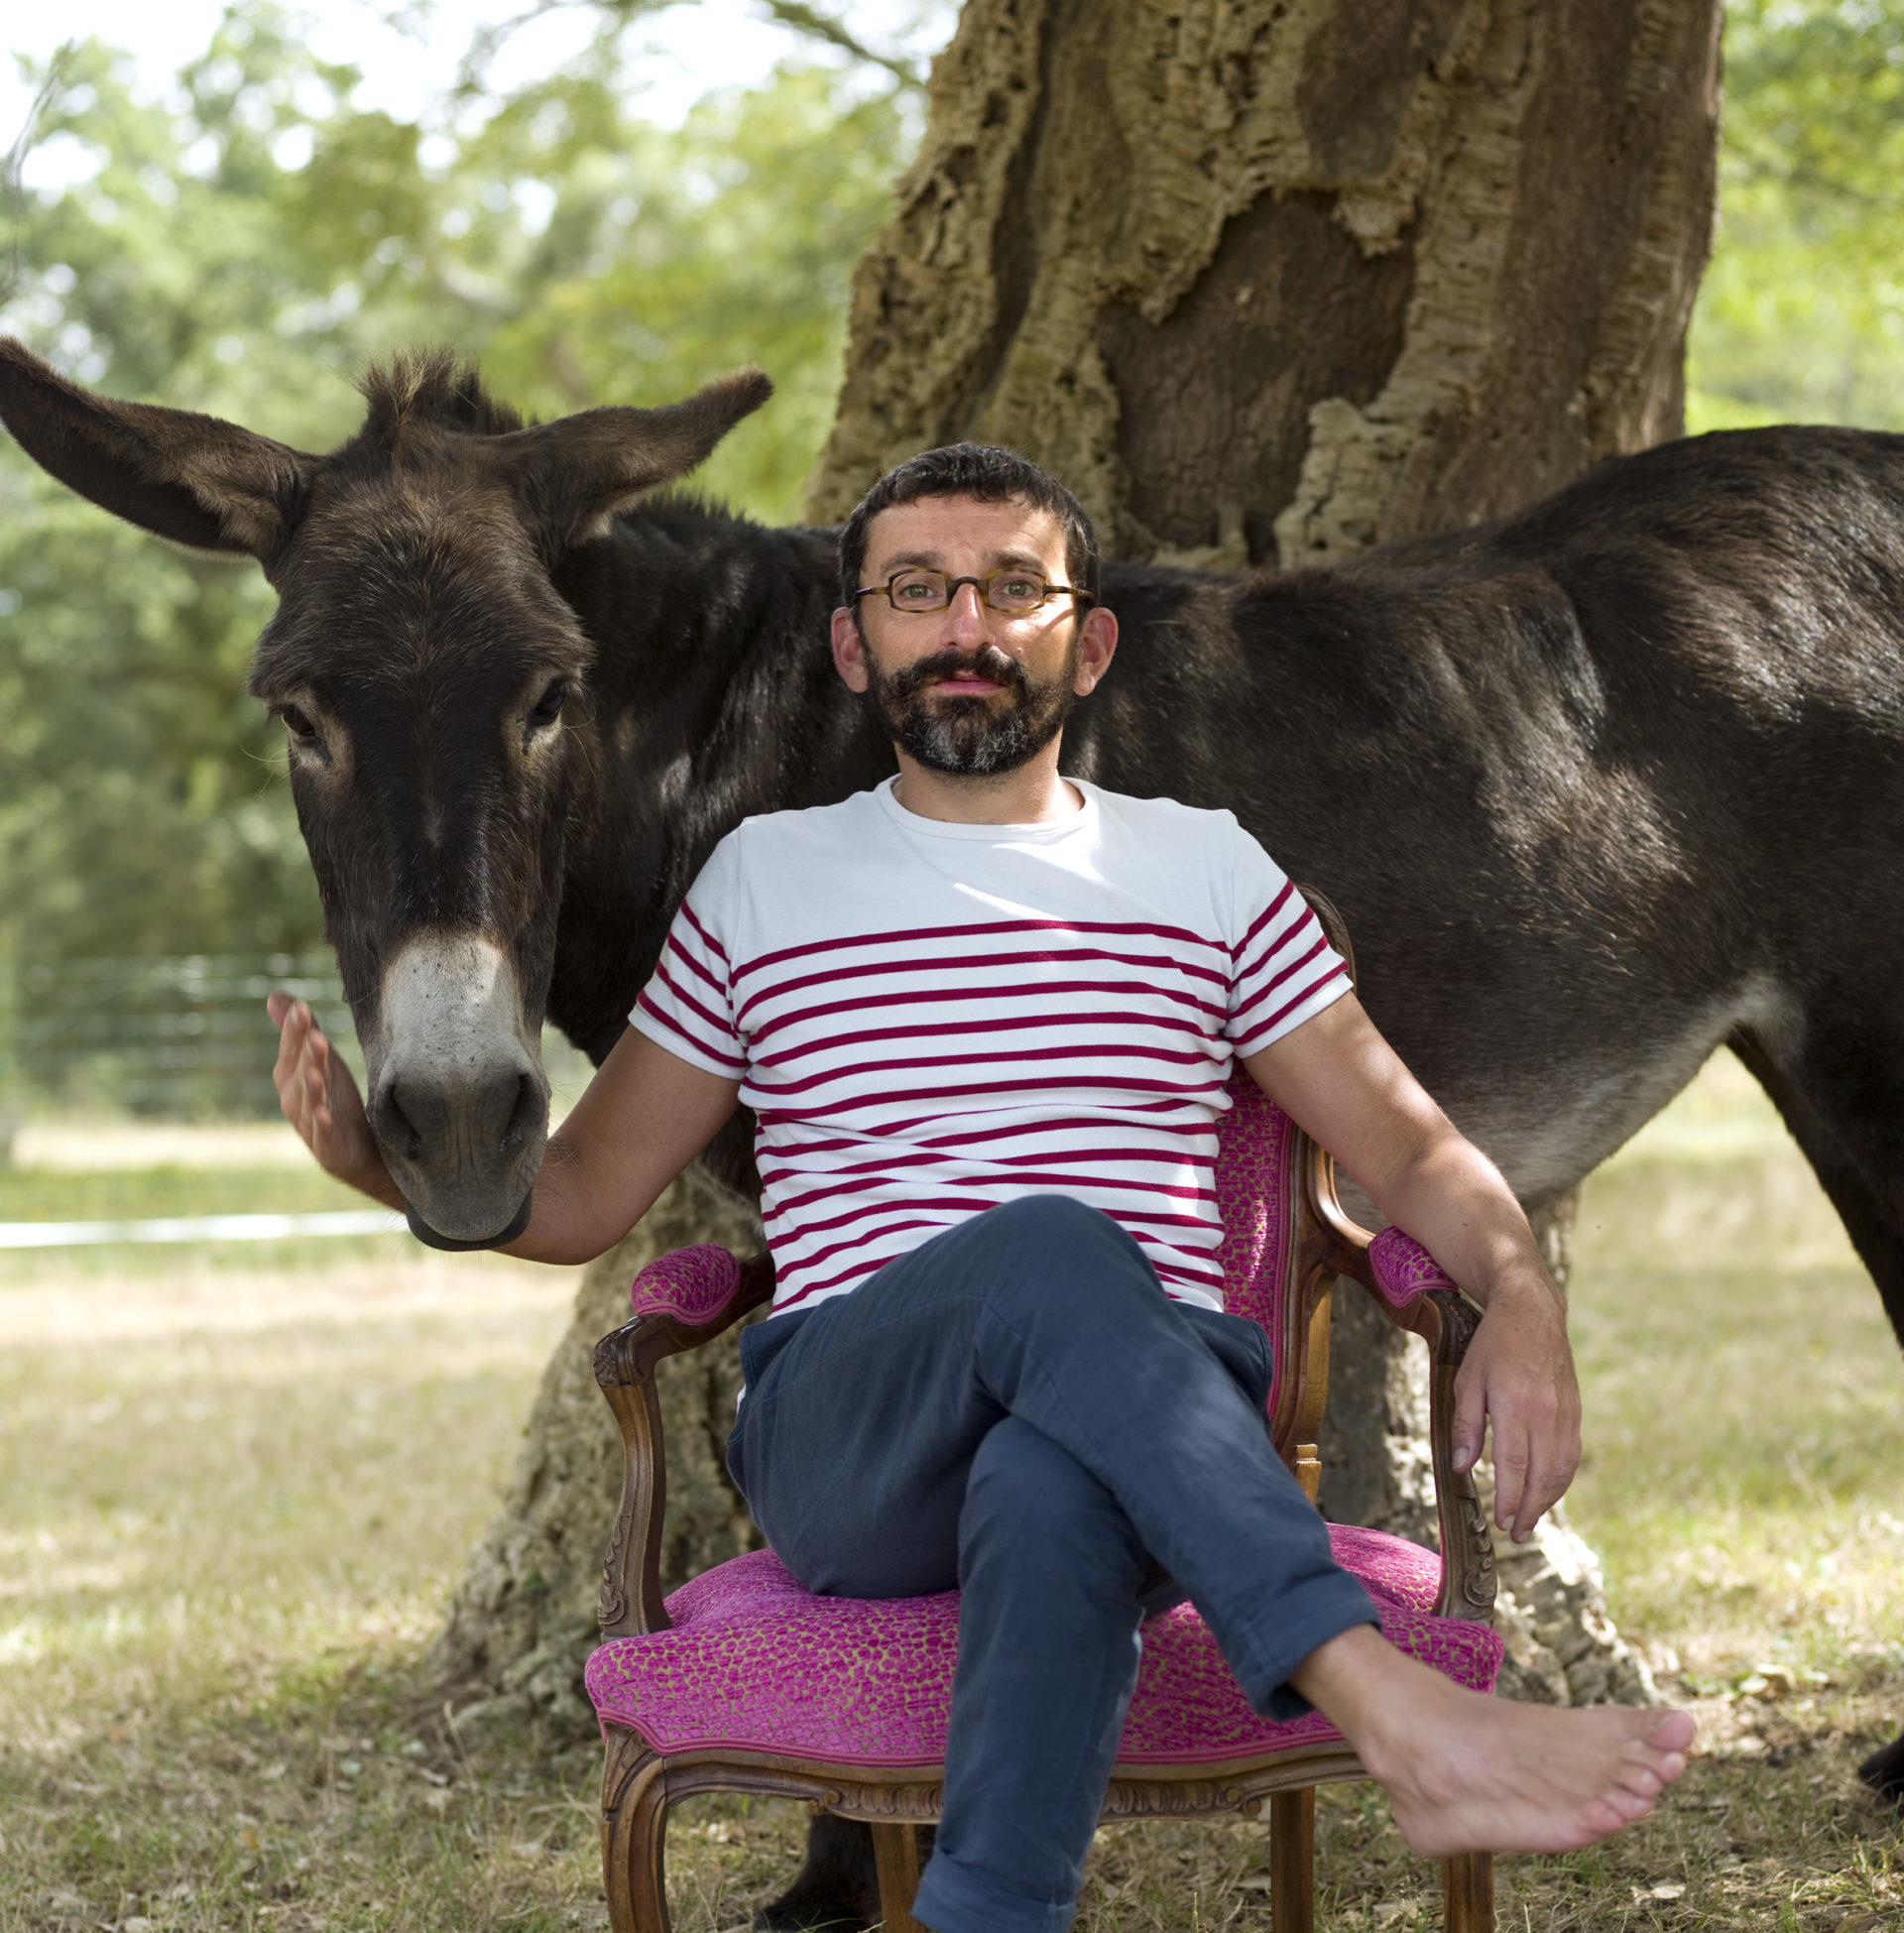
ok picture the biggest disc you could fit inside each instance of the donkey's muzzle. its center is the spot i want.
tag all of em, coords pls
(459, 1102)
(432, 1240)
(465, 1146)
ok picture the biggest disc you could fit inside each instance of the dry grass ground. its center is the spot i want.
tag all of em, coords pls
(236, 1483)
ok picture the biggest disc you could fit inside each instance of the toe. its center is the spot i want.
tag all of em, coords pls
(1674, 1731)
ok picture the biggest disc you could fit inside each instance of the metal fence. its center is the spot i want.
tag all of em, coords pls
(184, 1040)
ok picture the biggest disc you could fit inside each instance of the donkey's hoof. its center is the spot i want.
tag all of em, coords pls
(838, 1887)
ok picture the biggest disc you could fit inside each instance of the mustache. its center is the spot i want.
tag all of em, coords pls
(988, 662)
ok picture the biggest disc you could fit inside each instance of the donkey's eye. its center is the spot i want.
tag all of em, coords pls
(298, 726)
(548, 707)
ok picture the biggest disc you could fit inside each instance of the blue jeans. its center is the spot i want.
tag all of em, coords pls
(1017, 1409)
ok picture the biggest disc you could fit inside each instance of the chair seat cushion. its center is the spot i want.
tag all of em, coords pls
(756, 1663)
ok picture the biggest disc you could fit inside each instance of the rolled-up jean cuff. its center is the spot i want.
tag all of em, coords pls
(1329, 1605)
(954, 1900)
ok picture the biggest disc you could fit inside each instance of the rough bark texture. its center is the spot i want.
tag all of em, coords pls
(522, 1622)
(1264, 281)
(1279, 278)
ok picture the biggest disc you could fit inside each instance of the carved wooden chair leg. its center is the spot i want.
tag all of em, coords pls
(895, 1857)
(1292, 1860)
(634, 1836)
(1467, 1892)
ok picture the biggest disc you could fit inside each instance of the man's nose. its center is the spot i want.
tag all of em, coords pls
(966, 616)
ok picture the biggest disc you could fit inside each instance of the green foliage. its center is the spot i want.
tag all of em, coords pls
(244, 251)
(245, 248)
(1801, 317)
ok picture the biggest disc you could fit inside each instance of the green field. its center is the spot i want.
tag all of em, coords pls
(131, 1194)
(238, 1485)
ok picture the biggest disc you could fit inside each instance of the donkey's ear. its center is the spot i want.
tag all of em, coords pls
(190, 478)
(573, 475)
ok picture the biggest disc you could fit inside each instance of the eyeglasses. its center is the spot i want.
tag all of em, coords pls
(1013, 593)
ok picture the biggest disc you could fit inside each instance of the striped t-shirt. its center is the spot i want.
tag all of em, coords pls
(929, 1019)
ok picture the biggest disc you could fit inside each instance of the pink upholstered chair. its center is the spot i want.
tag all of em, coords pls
(742, 1681)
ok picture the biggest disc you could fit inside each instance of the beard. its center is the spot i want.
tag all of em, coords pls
(976, 736)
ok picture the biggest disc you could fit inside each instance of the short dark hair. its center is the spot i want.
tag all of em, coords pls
(993, 476)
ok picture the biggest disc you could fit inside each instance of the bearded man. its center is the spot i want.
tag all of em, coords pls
(984, 1016)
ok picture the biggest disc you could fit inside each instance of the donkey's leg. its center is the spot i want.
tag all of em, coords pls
(1844, 1101)
(1843, 1098)
(838, 1885)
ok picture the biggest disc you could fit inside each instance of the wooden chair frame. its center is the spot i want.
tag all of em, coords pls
(639, 1785)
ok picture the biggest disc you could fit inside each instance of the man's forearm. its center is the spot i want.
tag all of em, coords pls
(575, 1216)
(643, 1116)
(1452, 1200)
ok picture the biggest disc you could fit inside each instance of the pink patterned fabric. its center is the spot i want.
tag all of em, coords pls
(754, 1664)
(1404, 1269)
(1394, 1570)
(695, 1283)
(1255, 1141)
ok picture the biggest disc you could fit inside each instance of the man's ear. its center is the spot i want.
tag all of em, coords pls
(197, 480)
(849, 650)
(1097, 646)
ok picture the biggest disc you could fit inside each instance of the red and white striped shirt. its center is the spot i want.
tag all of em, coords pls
(929, 1020)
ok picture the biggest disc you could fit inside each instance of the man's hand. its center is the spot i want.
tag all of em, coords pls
(320, 1100)
(1341, 1080)
(1519, 1374)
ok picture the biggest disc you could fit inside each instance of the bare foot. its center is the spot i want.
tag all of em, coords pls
(1468, 1773)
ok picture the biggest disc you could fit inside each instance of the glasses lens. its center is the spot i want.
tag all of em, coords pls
(917, 590)
(1015, 591)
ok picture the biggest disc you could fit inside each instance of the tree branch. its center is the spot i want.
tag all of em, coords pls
(486, 42)
(809, 20)
(13, 194)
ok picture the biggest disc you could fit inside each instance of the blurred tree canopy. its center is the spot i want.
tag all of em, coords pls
(1801, 317)
(245, 252)
(245, 248)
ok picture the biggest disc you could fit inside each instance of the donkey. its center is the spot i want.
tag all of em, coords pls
(1598, 786)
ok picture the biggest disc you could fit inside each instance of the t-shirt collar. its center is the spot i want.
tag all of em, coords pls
(1041, 830)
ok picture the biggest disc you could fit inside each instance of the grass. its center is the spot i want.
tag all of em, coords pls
(131, 1194)
(237, 1485)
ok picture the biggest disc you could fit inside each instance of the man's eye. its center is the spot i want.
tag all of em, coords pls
(914, 592)
(1020, 589)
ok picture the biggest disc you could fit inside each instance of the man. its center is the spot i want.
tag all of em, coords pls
(984, 1016)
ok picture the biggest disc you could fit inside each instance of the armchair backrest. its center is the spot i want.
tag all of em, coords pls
(1278, 1255)
(1275, 1257)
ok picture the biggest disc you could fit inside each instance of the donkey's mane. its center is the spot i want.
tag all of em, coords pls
(429, 388)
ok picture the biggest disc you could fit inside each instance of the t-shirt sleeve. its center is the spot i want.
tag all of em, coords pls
(689, 1005)
(1284, 968)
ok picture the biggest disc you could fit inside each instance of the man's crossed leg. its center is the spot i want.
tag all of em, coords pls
(1016, 1408)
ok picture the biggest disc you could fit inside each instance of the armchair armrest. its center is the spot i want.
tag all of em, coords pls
(681, 1300)
(1416, 1293)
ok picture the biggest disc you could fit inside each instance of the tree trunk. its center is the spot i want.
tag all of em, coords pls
(1279, 278)
(1263, 280)
(522, 1622)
